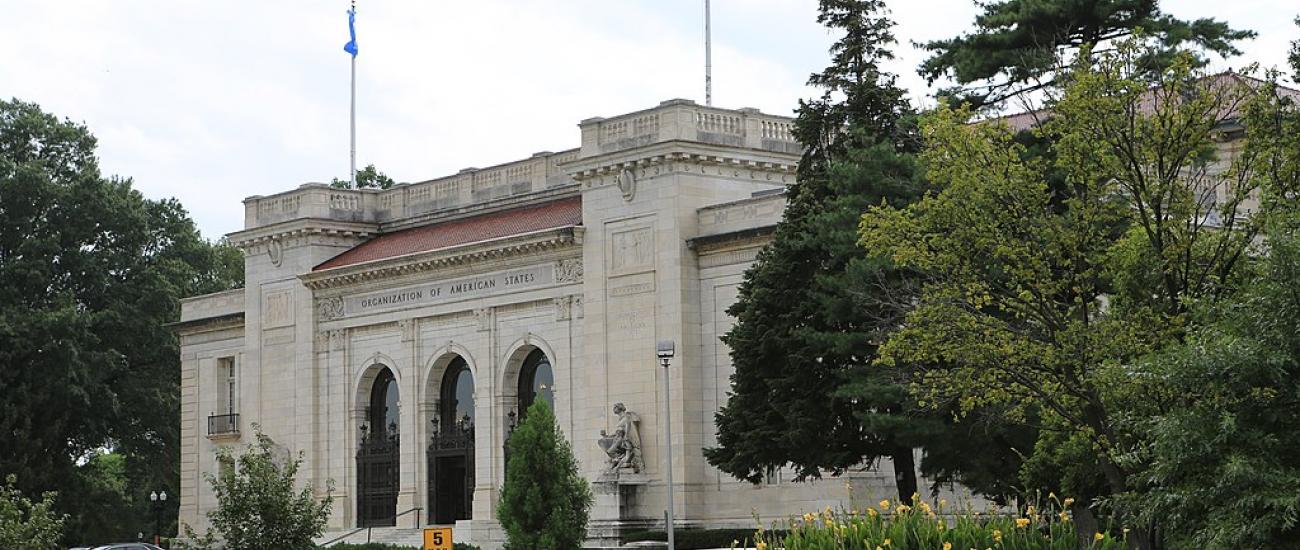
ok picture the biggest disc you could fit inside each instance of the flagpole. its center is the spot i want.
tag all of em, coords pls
(353, 117)
(708, 55)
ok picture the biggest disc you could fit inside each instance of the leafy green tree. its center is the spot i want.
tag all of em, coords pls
(90, 274)
(367, 178)
(544, 502)
(1043, 302)
(1221, 469)
(815, 306)
(1017, 44)
(258, 505)
(27, 525)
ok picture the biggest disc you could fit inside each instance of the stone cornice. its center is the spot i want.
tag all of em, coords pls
(292, 229)
(673, 155)
(233, 320)
(387, 268)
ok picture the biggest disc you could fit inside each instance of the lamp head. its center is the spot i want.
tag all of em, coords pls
(153, 496)
(666, 349)
(162, 496)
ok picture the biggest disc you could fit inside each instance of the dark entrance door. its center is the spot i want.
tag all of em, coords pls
(451, 448)
(377, 483)
(377, 456)
(452, 496)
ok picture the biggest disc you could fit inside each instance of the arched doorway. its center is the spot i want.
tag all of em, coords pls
(451, 447)
(536, 381)
(377, 457)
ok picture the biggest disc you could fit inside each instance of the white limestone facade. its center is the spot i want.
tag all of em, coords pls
(587, 256)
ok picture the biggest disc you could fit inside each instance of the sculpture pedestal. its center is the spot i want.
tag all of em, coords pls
(615, 494)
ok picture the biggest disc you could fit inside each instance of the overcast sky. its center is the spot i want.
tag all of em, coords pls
(211, 101)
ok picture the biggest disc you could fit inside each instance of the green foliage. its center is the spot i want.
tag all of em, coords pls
(1016, 43)
(25, 524)
(258, 506)
(367, 178)
(1041, 298)
(814, 307)
(921, 527)
(544, 502)
(380, 546)
(90, 274)
(1294, 57)
(1223, 470)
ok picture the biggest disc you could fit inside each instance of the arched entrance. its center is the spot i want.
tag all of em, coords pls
(451, 447)
(536, 381)
(377, 457)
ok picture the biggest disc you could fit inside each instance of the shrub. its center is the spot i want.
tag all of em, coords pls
(26, 524)
(897, 526)
(257, 504)
(381, 546)
(697, 539)
(544, 502)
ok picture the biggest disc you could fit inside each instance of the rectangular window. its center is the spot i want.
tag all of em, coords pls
(227, 386)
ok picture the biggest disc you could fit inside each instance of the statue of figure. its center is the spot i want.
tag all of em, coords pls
(624, 447)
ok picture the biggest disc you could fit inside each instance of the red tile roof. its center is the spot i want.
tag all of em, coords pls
(551, 215)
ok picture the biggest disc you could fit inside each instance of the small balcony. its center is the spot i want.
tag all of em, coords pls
(223, 426)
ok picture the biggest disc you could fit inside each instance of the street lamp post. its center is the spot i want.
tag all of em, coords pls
(665, 350)
(159, 500)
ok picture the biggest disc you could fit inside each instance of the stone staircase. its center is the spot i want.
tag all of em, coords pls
(401, 536)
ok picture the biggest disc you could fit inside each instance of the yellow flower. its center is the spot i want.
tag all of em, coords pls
(947, 546)
(997, 535)
(761, 545)
(943, 502)
(884, 504)
(1098, 536)
(872, 512)
(903, 508)
(1065, 516)
(1022, 522)
(1068, 501)
(888, 542)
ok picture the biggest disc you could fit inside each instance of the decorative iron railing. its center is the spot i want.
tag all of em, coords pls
(223, 424)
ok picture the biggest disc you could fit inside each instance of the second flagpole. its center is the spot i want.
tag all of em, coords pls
(353, 118)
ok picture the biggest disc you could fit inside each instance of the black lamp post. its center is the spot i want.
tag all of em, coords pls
(158, 500)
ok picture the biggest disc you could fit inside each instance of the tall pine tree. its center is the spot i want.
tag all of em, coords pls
(1016, 45)
(815, 306)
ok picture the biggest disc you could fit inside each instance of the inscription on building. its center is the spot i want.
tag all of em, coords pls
(449, 291)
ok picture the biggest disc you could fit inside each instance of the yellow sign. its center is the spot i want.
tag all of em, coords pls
(437, 538)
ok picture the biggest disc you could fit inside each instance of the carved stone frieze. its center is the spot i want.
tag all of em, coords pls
(568, 271)
(329, 308)
(275, 251)
(563, 308)
(338, 340)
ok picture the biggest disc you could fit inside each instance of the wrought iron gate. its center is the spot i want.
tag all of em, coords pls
(451, 473)
(377, 470)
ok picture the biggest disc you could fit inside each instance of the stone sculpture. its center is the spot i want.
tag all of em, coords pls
(624, 446)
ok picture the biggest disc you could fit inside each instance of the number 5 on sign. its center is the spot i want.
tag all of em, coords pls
(437, 538)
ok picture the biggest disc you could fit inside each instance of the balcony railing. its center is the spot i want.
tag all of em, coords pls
(223, 425)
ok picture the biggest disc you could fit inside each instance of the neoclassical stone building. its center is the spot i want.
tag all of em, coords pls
(394, 336)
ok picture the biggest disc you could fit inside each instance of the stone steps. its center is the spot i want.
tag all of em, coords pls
(401, 536)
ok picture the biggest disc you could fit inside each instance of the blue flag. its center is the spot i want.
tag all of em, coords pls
(351, 46)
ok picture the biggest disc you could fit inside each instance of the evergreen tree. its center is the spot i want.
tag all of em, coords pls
(544, 502)
(1017, 44)
(815, 306)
